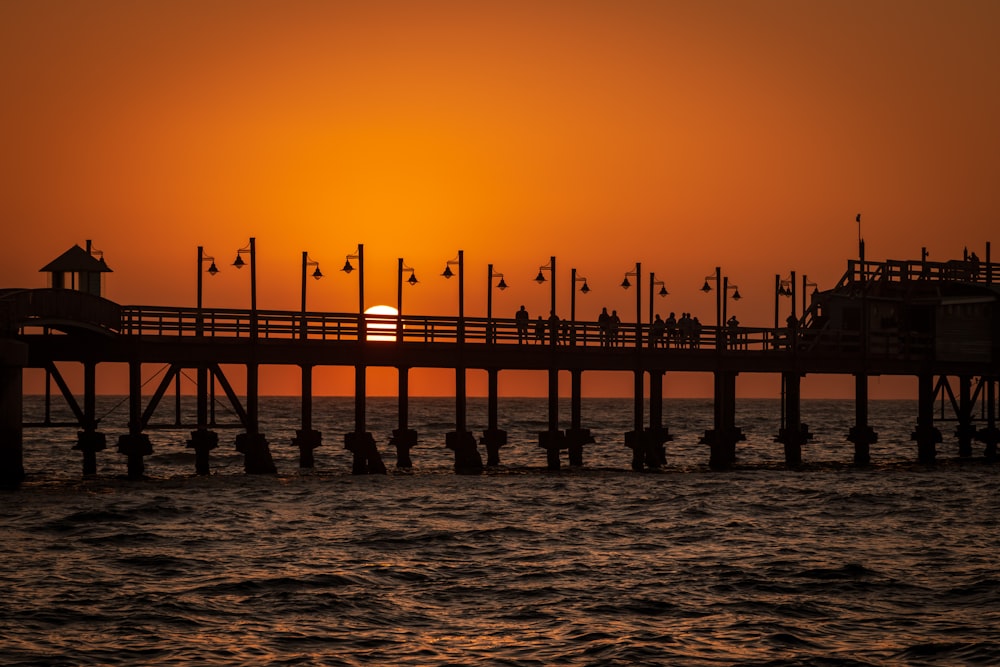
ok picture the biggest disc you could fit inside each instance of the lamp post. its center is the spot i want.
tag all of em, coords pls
(721, 297)
(540, 278)
(250, 249)
(653, 282)
(584, 289)
(412, 280)
(211, 270)
(637, 273)
(805, 288)
(502, 285)
(348, 268)
(782, 287)
(317, 274)
(448, 273)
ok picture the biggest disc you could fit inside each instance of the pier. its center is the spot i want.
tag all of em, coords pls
(936, 321)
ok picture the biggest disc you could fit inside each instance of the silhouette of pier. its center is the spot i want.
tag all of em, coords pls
(936, 321)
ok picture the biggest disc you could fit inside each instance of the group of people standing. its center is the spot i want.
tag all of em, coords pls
(674, 332)
(683, 332)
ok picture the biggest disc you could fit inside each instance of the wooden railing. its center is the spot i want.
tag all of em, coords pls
(317, 326)
(955, 270)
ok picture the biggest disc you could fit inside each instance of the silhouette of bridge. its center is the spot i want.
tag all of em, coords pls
(932, 320)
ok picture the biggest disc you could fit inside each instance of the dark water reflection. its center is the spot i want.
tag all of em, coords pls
(831, 565)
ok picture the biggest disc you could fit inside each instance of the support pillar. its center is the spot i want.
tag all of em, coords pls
(253, 445)
(361, 443)
(723, 438)
(136, 444)
(202, 440)
(89, 441)
(576, 435)
(307, 439)
(793, 433)
(468, 460)
(13, 359)
(636, 438)
(861, 434)
(493, 437)
(926, 435)
(553, 440)
(656, 435)
(990, 436)
(965, 431)
(404, 438)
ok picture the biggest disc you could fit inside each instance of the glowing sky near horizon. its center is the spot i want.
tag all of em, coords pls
(685, 135)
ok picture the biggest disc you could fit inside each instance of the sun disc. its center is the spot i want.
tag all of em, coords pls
(382, 328)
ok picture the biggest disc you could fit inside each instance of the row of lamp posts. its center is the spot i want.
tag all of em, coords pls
(467, 457)
(783, 287)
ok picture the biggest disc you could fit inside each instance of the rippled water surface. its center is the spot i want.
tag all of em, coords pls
(891, 564)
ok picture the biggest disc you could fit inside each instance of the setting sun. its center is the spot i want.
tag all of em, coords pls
(380, 327)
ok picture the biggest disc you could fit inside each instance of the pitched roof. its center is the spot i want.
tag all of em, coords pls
(76, 260)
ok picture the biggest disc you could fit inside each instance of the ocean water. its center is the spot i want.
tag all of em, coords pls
(828, 564)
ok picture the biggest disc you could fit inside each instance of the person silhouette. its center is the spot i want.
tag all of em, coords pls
(656, 332)
(671, 326)
(553, 327)
(522, 318)
(613, 324)
(604, 325)
(540, 329)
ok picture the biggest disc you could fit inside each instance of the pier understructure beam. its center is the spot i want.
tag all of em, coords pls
(307, 439)
(202, 442)
(990, 436)
(367, 460)
(135, 446)
(468, 460)
(861, 434)
(723, 438)
(494, 439)
(13, 358)
(257, 458)
(576, 438)
(90, 441)
(655, 439)
(793, 432)
(965, 432)
(404, 439)
(926, 434)
(552, 441)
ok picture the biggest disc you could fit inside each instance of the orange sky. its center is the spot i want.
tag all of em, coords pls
(684, 135)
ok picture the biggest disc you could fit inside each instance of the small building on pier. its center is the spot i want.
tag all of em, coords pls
(919, 309)
(78, 269)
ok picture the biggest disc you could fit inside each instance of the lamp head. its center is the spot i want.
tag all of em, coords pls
(448, 273)
(663, 291)
(317, 274)
(736, 295)
(625, 283)
(706, 287)
(501, 285)
(212, 269)
(586, 288)
(540, 278)
(412, 279)
(239, 263)
(347, 267)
